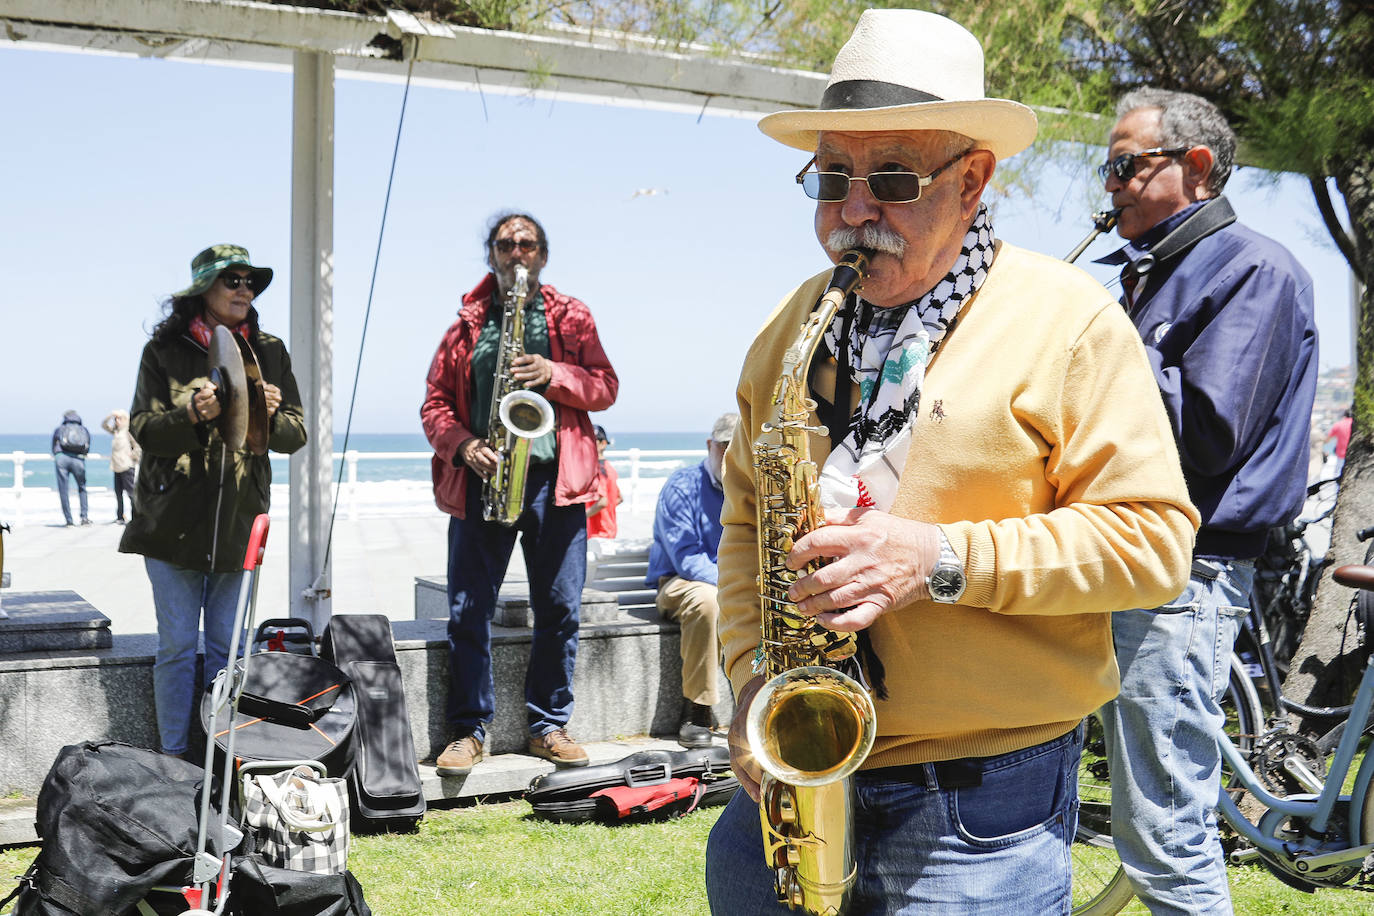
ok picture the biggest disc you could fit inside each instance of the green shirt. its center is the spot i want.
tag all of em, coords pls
(484, 352)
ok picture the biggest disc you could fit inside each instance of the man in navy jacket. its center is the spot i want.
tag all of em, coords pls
(1226, 315)
(682, 566)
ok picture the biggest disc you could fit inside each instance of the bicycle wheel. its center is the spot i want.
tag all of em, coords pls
(1100, 887)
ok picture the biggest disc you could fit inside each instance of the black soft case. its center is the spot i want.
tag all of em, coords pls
(385, 779)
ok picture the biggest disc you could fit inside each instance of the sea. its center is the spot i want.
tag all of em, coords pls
(624, 450)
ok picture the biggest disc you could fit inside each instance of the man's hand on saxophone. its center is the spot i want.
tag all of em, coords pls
(742, 762)
(877, 562)
(478, 456)
(531, 370)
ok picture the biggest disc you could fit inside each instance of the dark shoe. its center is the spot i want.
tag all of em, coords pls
(694, 736)
(558, 747)
(85, 521)
(697, 720)
(459, 757)
(119, 521)
(71, 524)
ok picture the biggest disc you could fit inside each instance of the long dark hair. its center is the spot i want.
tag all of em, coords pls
(179, 311)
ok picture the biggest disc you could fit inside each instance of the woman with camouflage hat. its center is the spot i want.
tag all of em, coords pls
(197, 498)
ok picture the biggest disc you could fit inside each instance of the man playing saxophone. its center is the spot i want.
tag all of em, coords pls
(559, 356)
(997, 475)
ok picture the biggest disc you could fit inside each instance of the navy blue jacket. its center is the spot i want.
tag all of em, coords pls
(1229, 330)
(686, 527)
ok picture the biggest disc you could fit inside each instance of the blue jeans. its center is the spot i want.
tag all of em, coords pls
(76, 467)
(999, 848)
(1161, 739)
(179, 595)
(554, 541)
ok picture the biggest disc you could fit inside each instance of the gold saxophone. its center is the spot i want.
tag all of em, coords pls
(812, 724)
(518, 416)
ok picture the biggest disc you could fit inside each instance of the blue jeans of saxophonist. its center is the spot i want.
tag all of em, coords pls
(554, 541)
(997, 849)
(1161, 739)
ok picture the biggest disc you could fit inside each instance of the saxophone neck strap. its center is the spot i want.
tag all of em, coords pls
(1211, 217)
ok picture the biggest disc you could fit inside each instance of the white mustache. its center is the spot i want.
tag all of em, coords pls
(869, 235)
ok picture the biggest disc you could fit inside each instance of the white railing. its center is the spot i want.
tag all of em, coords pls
(633, 464)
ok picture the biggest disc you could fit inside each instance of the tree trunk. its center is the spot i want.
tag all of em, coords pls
(1326, 668)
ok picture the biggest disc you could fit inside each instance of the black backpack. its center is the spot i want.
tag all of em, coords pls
(74, 439)
(115, 821)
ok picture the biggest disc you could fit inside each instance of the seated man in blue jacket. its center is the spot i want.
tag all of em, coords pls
(682, 565)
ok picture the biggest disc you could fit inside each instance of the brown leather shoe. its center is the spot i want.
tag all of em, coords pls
(459, 757)
(558, 747)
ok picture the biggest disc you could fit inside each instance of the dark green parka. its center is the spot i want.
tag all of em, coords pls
(179, 477)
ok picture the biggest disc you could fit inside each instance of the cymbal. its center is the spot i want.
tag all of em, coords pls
(231, 387)
(258, 420)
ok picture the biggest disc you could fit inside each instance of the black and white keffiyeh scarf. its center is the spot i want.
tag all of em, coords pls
(888, 352)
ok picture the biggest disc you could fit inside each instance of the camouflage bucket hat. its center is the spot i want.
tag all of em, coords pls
(207, 266)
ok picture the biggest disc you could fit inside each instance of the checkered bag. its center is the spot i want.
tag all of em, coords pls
(299, 819)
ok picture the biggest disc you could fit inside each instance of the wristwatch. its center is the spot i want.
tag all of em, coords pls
(946, 580)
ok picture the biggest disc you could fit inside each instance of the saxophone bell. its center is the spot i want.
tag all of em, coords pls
(526, 414)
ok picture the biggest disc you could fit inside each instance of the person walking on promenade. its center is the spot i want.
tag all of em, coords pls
(1006, 479)
(601, 513)
(562, 360)
(125, 454)
(1226, 315)
(197, 498)
(1339, 440)
(682, 566)
(70, 443)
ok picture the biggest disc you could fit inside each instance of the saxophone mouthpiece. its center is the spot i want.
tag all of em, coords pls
(850, 270)
(1105, 220)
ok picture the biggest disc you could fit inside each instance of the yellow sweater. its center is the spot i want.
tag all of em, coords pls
(1052, 470)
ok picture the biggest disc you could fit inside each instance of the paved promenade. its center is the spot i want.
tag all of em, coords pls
(375, 557)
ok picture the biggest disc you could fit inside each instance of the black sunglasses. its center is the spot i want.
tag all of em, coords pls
(234, 281)
(506, 246)
(1123, 166)
(889, 187)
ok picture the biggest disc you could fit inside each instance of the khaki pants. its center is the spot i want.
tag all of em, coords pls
(695, 608)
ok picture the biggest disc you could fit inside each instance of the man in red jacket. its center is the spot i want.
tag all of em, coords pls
(563, 361)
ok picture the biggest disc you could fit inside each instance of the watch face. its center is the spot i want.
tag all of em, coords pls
(946, 582)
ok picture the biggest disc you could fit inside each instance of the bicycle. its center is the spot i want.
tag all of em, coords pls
(1287, 766)
(1287, 573)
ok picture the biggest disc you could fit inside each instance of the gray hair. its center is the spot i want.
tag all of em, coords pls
(1188, 120)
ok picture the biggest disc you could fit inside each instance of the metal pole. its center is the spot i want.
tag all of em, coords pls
(312, 329)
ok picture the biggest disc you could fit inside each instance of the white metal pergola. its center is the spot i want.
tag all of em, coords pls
(316, 44)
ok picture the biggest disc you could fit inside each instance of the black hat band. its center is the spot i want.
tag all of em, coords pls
(871, 94)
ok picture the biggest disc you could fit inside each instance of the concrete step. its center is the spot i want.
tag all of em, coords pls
(501, 774)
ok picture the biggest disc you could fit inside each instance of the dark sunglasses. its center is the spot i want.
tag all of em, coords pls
(1123, 166)
(506, 246)
(234, 281)
(889, 187)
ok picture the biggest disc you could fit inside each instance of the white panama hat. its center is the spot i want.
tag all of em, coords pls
(908, 70)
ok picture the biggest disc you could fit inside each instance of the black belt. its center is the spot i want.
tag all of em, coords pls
(944, 774)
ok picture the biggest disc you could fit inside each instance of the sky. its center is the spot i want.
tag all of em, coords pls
(118, 170)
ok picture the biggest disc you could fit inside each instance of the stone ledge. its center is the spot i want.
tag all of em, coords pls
(51, 620)
(627, 681)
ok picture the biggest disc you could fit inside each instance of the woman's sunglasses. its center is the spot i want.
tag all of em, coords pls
(234, 281)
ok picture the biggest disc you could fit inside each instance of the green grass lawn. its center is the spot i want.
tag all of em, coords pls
(497, 859)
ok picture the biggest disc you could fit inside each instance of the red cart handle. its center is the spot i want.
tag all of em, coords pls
(257, 543)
